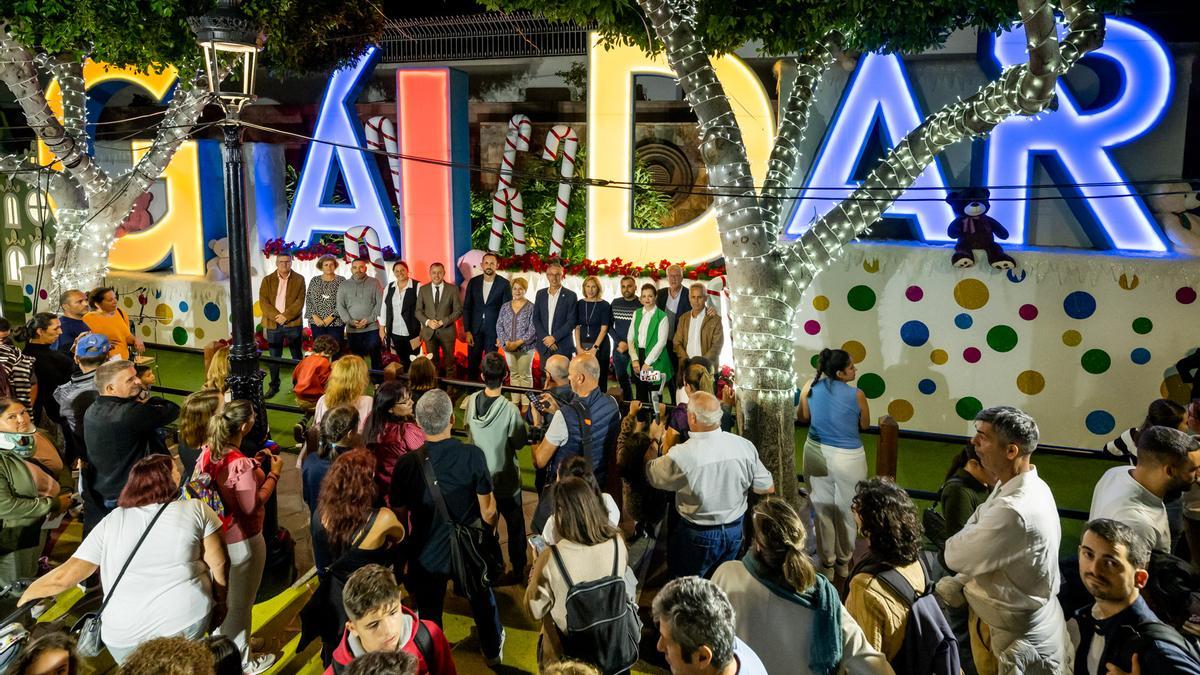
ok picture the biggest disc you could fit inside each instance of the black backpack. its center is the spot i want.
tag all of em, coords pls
(475, 558)
(1151, 631)
(603, 627)
(929, 646)
(1169, 589)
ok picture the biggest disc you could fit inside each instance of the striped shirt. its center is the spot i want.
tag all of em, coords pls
(1123, 446)
(19, 369)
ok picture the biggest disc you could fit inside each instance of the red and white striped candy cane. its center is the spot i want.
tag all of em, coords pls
(561, 143)
(364, 235)
(517, 140)
(504, 203)
(381, 135)
(716, 288)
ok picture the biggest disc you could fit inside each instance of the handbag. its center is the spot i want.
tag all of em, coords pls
(475, 558)
(87, 628)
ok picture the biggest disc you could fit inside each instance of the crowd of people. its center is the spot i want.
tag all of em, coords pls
(638, 501)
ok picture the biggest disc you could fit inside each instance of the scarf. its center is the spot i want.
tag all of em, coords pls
(825, 650)
(971, 224)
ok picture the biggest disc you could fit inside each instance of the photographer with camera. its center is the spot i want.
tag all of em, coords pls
(586, 425)
(644, 503)
(538, 413)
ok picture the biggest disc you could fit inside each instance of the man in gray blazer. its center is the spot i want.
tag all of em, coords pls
(438, 307)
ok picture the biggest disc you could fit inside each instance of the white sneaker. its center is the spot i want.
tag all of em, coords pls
(495, 660)
(259, 664)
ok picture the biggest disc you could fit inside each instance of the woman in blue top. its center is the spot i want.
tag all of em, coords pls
(593, 317)
(834, 460)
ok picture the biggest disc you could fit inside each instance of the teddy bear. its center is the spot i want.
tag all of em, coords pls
(1176, 206)
(218, 267)
(974, 229)
(468, 264)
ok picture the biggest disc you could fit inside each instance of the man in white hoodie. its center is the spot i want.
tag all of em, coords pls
(497, 427)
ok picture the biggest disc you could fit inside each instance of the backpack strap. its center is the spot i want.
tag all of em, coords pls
(431, 484)
(364, 530)
(561, 567)
(893, 579)
(1149, 631)
(424, 643)
(128, 560)
(616, 556)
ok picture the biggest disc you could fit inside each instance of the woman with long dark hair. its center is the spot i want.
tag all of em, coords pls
(176, 581)
(51, 367)
(788, 614)
(351, 532)
(834, 460)
(392, 431)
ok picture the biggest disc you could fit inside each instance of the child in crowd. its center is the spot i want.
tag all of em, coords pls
(146, 375)
(311, 374)
(378, 622)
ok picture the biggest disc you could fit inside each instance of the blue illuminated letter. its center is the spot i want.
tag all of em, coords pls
(313, 210)
(1074, 143)
(879, 92)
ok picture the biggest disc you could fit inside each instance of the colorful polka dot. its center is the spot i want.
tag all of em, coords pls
(1079, 305)
(812, 327)
(914, 333)
(968, 407)
(914, 294)
(1186, 295)
(1002, 338)
(963, 321)
(43, 294)
(27, 303)
(199, 333)
(872, 385)
(179, 335)
(1095, 361)
(971, 294)
(1031, 382)
(147, 330)
(1174, 388)
(861, 298)
(816, 358)
(1142, 325)
(1028, 312)
(972, 355)
(900, 410)
(28, 289)
(939, 357)
(1071, 338)
(163, 312)
(820, 303)
(1100, 422)
(211, 311)
(927, 386)
(257, 309)
(183, 307)
(1140, 356)
(128, 301)
(856, 350)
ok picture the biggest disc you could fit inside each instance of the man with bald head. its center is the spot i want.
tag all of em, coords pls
(586, 425)
(711, 474)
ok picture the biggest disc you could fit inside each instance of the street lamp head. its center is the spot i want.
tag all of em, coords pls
(230, 42)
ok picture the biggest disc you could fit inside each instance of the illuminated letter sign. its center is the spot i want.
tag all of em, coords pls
(610, 154)
(338, 132)
(1075, 142)
(432, 134)
(878, 93)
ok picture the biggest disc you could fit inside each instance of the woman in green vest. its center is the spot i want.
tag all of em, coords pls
(650, 356)
(29, 491)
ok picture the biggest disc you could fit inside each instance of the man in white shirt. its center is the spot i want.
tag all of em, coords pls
(438, 308)
(696, 631)
(1167, 463)
(710, 474)
(400, 327)
(699, 332)
(1006, 557)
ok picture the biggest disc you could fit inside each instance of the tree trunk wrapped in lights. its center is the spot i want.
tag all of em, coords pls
(768, 277)
(91, 203)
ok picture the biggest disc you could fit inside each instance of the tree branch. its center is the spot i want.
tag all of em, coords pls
(1024, 90)
(69, 75)
(17, 71)
(182, 113)
(792, 123)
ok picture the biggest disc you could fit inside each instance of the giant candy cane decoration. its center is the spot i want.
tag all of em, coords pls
(507, 199)
(561, 143)
(381, 135)
(363, 235)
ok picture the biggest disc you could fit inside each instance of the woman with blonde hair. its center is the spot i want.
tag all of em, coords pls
(593, 318)
(788, 614)
(218, 371)
(347, 385)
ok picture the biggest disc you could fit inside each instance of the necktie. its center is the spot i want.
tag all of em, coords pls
(437, 295)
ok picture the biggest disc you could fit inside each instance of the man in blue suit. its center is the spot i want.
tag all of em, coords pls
(481, 308)
(554, 316)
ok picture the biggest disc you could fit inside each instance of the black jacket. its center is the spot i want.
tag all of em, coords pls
(408, 308)
(1122, 640)
(117, 433)
(1186, 367)
(685, 306)
(480, 316)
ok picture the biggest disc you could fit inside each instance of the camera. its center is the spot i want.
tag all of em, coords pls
(540, 404)
(645, 414)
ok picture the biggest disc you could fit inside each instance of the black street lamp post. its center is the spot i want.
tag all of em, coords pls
(230, 43)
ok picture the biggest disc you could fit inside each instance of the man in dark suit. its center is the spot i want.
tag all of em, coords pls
(438, 307)
(554, 316)
(481, 308)
(674, 298)
(400, 327)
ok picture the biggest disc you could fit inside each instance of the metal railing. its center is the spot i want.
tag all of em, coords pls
(488, 35)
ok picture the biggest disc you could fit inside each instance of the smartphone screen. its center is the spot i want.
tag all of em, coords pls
(537, 543)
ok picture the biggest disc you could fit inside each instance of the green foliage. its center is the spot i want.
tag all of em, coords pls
(301, 36)
(539, 192)
(788, 27)
(576, 77)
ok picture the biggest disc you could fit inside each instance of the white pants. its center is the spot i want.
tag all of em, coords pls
(1042, 648)
(831, 495)
(246, 561)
